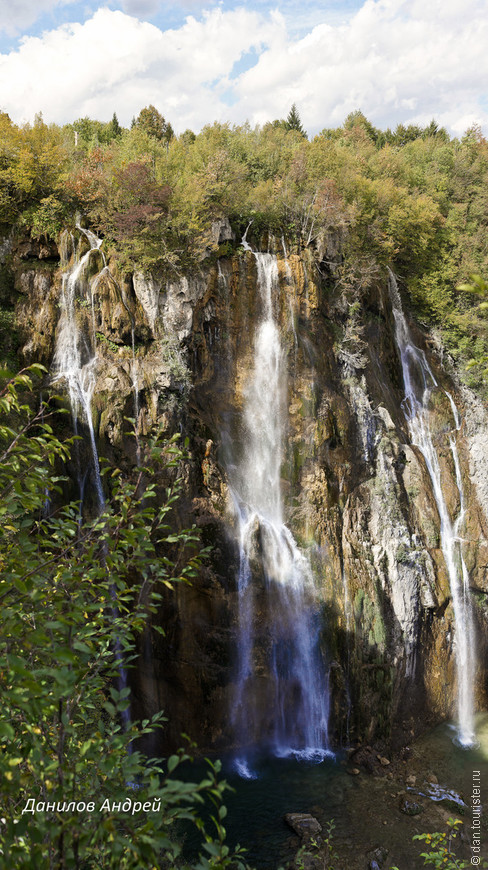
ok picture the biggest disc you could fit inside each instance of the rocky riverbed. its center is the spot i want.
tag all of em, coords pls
(385, 802)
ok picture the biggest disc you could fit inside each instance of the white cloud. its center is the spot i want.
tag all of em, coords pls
(397, 60)
(19, 15)
(116, 63)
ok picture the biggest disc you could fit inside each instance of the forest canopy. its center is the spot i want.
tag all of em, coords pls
(413, 199)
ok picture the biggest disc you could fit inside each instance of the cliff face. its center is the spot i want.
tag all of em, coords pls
(357, 493)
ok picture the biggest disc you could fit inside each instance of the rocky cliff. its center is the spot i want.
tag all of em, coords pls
(357, 494)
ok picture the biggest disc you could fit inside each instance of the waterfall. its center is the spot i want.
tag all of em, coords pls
(74, 361)
(75, 358)
(419, 383)
(282, 698)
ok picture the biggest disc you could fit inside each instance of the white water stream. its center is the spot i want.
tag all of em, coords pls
(75, 356)
(282, 697)
(74, 361)
(419, 383)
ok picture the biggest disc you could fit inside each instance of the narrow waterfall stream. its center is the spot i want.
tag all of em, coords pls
(282, 699)
(75, 357)
(419, 383)
(74, 361)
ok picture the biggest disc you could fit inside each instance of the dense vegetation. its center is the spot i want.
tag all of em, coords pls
(76, 789)
(413, 199)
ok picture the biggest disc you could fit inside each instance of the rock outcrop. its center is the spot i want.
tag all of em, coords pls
(357, 493)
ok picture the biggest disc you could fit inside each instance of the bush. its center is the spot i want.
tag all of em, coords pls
(77, 791)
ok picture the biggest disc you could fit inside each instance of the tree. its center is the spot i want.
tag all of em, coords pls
(153, 123)
(357, 120)
(116, 128)
(137, 201)
(77, 791)
(293, 121)
(32, 162)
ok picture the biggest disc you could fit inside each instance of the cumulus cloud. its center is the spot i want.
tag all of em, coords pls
(114, 62)
(397, 60)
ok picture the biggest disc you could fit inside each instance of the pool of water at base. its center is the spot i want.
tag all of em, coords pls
(257, 806)
(365, 809)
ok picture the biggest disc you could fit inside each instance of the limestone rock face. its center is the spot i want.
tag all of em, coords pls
(37, 312)
(169, 309)
(357, 494)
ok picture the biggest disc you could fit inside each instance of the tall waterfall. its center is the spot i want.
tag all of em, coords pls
(75, 355)
(282, 698)
(419, 383)
(74, 361)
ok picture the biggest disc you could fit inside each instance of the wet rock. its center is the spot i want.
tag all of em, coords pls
(360, 489)
(410, 808)
(304, 824)
(36, 315)
(367, 758)
(37, 249)
(378, 858)
(449, 798)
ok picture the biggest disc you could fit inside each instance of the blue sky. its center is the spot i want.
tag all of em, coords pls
(203, 60)
(25, 18)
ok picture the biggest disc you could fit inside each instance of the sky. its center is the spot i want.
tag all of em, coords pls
(200, 61)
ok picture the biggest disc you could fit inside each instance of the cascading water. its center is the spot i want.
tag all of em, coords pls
(74, 361)
(75, 358)
(282, 697)
(419, 383)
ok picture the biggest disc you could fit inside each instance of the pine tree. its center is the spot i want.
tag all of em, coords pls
(293, 121)
(116, 128)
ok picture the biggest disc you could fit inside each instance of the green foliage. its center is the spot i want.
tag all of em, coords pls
(74, 596)
(153, 123)
(8, 338)
(412, 199)
(107, 342)
(135, 215)
(90, 134)
(319, 850)
(116, 128)
(32, 162)
(441, 854)
(475, 321)
(293, 121)
(48, 217)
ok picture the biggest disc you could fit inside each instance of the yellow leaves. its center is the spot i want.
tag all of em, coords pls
(31, 162)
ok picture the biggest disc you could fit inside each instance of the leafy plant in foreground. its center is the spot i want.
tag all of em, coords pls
(439, 844)
(76, 790)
